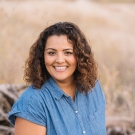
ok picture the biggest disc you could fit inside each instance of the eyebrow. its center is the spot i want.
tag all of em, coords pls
(55, 49)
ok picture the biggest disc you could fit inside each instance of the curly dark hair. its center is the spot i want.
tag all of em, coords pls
(86, 71)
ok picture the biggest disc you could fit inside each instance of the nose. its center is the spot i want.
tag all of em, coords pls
(60, 58)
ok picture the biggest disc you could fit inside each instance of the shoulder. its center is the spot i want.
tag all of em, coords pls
(98, 94)
(97, 88)
(33, 93)
(29, 106)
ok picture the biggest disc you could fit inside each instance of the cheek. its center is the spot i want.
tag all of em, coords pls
(74, 62)
(47, 60)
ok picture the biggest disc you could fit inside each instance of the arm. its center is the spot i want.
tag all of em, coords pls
(25, 127)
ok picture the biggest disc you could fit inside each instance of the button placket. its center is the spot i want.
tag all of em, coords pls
(76, 111)
(78, 117)
(84, 132)
(74, 106)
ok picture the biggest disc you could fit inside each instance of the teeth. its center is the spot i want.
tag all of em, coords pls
(60, 68)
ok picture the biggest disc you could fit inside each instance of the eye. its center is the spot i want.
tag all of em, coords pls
(51, 53)
(68, 53)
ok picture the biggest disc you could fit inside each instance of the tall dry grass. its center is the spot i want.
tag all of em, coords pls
(109, 27)
(112, 1)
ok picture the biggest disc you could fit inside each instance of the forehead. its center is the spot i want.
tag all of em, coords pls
(56, 41)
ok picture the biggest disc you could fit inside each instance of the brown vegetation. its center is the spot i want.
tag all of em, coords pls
(112, 1)
(8, 95)
(109, 27)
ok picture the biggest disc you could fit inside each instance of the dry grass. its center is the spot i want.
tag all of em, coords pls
(110, 28)
(113, 1)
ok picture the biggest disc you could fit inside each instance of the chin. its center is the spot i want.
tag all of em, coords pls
(60, 79)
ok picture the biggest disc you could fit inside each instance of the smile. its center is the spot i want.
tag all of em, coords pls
(63, 68)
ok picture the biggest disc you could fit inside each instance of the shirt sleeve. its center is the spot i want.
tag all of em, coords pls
(100, 94)
(29, 107)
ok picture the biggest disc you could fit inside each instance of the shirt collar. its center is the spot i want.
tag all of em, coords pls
(54, 89)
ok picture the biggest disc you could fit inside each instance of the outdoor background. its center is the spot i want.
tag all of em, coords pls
(109, 25)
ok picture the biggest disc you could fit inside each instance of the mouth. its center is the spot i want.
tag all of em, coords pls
(60, 68)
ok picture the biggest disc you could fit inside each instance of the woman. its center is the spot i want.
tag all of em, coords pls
(65, 97)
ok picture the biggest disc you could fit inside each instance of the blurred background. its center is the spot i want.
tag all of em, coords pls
(109, 25)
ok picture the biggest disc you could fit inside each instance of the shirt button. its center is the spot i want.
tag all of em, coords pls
(84, 132)
(76, 111)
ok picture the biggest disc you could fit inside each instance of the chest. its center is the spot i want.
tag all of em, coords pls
(82, 116)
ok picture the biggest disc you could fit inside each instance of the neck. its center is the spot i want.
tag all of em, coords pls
(69, 87)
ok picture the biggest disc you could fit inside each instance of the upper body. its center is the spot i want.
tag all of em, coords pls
(65, 97)
(54, 109)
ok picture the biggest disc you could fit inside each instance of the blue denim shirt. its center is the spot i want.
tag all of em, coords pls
(52, 108)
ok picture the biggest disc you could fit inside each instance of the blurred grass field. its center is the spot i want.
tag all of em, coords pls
(110, 28)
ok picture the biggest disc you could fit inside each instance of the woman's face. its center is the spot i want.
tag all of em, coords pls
(60, 60)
